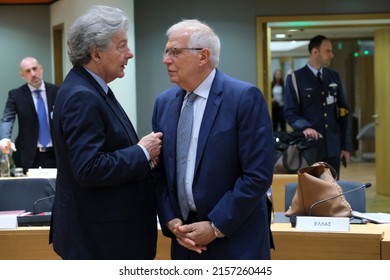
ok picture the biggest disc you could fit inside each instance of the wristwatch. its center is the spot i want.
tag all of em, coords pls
(217, 232)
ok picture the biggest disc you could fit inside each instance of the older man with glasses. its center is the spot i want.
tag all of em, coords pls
(217, 157)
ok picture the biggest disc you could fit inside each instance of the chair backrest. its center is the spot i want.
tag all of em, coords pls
(279, 182)
(23, 193)
(357, 199)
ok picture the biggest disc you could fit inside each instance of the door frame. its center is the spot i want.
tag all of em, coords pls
(263, 55)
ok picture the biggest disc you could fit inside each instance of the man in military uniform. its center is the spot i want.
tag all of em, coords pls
(316, 105)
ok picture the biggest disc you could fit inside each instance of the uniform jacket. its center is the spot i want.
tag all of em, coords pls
(104, 206)
(20, 103)
(233, 169)
(323, 108)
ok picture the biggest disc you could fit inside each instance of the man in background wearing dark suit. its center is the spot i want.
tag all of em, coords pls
(30, 151)
(105, 205)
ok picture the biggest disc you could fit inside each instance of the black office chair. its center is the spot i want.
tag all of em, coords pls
(357, 199)
(29, 194)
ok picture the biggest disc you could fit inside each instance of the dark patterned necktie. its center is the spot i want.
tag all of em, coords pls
(184, 131)
(125, 119)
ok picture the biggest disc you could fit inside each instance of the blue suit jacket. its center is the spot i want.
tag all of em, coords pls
(314, 111)
(234, 165)
(104, 206)
(20, 104)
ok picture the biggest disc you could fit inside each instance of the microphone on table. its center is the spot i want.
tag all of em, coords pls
(366, 185)
(38, 201)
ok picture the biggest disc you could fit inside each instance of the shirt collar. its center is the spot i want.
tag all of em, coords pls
(98, 79)
(41, 87)
(314, 70)
(203, 89)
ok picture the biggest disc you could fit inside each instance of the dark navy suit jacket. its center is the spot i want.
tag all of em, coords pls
(314, 110)
(104, 206)
(233, 169)
(20, 104)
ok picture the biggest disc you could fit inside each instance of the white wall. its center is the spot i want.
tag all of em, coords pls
(67, 11)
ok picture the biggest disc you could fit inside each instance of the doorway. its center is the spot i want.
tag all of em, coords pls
(58, 31)
(265, 25)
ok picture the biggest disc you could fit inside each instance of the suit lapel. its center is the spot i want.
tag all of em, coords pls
(212, 107)
(29, 99)
(123, 119)
(50, 99)
(170, 142)
(327, 77)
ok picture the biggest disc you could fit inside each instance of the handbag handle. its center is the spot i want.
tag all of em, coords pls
(287, 166)
(327, 165)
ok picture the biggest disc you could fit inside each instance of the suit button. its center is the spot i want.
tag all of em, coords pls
(326, 125)
(325, 115)
(324, 104)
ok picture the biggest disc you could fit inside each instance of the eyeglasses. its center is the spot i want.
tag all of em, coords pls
(174, 52)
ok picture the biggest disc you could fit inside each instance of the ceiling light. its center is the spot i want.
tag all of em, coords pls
(280, 36)
(287, 45)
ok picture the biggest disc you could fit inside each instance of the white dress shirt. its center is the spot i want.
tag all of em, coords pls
(202, 91)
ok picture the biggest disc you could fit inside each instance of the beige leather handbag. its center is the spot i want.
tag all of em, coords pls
(318, 193)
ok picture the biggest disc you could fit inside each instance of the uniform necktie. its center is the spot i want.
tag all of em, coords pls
(44, 130)
(319, 77)
(184, 130)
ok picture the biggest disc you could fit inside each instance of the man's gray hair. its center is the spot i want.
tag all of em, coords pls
(201, 35)
(94, 29)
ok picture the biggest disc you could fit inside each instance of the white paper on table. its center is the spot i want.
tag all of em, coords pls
(379, 218)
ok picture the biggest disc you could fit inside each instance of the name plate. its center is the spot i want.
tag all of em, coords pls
(8, 221)
(326, 224)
